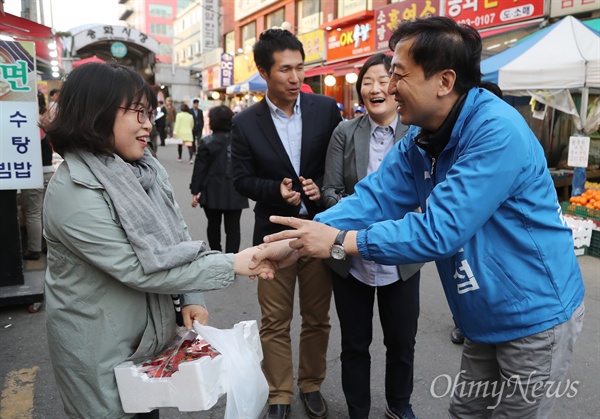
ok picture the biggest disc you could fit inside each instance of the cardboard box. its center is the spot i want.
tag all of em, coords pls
(196, 386)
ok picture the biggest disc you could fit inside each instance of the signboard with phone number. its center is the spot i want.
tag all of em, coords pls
(482, 14)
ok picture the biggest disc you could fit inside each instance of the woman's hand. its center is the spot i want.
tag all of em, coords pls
(196, 199)
(194, 312)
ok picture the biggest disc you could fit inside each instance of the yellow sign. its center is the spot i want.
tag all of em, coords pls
(314, 46)
(243, 67)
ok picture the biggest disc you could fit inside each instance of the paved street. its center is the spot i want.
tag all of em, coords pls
(28, 389)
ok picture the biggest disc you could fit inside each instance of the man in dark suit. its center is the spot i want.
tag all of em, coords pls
(160, 122)
(198, 122)
(278, 148)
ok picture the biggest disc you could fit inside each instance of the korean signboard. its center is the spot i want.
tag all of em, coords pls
(226, 70)
(571, 7)
(350, 42)
(482, 14)
(314, 46)
(20, 148)
(113, 33)
(388, 17)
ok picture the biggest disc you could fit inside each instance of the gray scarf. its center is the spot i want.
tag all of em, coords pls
(149, 217)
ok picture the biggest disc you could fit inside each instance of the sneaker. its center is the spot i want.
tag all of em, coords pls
(405, 413)
(191, 161)
(178, 160)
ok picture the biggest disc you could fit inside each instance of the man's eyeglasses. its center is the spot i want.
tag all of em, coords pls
(143, 114)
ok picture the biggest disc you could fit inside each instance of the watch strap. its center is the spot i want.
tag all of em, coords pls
(339, 240)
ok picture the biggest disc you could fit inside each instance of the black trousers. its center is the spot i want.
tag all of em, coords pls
(399, 312)
(150, 415)
(232, 229)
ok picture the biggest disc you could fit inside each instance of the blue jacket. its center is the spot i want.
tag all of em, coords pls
(491, 221)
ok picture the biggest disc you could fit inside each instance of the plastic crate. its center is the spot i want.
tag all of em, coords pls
(578, 210)
(594, 249)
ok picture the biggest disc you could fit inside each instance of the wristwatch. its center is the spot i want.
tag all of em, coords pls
(337, 250)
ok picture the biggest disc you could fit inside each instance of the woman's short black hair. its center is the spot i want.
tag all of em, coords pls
(441, 43)
(376, 59)
(220, 118)
(88, 104)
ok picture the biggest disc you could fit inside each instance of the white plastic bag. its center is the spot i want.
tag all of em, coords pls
(246, 386)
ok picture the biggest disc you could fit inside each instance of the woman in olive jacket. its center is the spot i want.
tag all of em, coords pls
(117, 242)
(212, 183)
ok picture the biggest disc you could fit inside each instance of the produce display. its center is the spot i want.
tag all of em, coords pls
(189, 349)
(590, 199)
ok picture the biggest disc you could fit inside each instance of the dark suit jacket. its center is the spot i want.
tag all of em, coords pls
(346, 163)
(260, 161)
(198, 122)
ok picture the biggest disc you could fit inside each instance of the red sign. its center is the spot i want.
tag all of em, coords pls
(352, 41)
(388, 17)
(489, 13)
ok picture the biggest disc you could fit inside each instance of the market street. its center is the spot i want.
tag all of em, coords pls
(29, 391)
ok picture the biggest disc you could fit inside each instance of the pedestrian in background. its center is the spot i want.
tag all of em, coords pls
(198, 122)
(161, 122)
(183, 130)
(32, 200)
(279, 147)
(170, 114)
(117, 243)
(356, 149)
(212, 182)
(507, 267)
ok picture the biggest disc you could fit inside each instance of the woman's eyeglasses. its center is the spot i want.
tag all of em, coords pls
(143, 114)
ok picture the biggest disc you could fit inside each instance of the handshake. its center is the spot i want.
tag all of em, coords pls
(280, 250)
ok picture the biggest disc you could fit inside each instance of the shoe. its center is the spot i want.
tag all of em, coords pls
(191, 161)
(405, 413)
(277, 411)
(29, 255)
(178, 160)
(315, 405)
(456, 336)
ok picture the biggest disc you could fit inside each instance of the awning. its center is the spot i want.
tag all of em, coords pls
(337, 69)
(27, 30)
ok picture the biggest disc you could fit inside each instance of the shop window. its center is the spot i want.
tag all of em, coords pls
(349, 7)
(249, 34)
(276, 18)
(310, 15)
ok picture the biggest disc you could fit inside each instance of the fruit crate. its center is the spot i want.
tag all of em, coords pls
(594, 249)
(578, 210)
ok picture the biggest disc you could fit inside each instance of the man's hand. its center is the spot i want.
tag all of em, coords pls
(311, 189)
(288, 194)
(196, 199)
(194, 312)
(280, 254)
(311, 238)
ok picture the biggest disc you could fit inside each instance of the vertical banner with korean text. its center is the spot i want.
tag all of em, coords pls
(20, 149)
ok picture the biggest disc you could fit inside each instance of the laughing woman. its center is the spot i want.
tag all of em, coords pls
(117, 243)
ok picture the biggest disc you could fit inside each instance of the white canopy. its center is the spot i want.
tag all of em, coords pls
(563, 56)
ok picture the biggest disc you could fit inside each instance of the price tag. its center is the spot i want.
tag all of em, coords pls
(579, 151)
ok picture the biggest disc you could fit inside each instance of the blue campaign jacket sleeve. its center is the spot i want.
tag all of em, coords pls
(490, 220)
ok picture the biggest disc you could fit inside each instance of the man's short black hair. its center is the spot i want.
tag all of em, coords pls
(274, 40)
(53, 92)
(195, 101)
(441, 43)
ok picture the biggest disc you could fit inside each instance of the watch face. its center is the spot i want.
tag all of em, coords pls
(338, 252)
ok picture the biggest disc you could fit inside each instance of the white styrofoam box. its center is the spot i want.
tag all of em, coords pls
(196, 386)
(582, 231)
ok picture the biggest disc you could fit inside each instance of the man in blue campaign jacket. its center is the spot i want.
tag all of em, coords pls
(491, 221)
